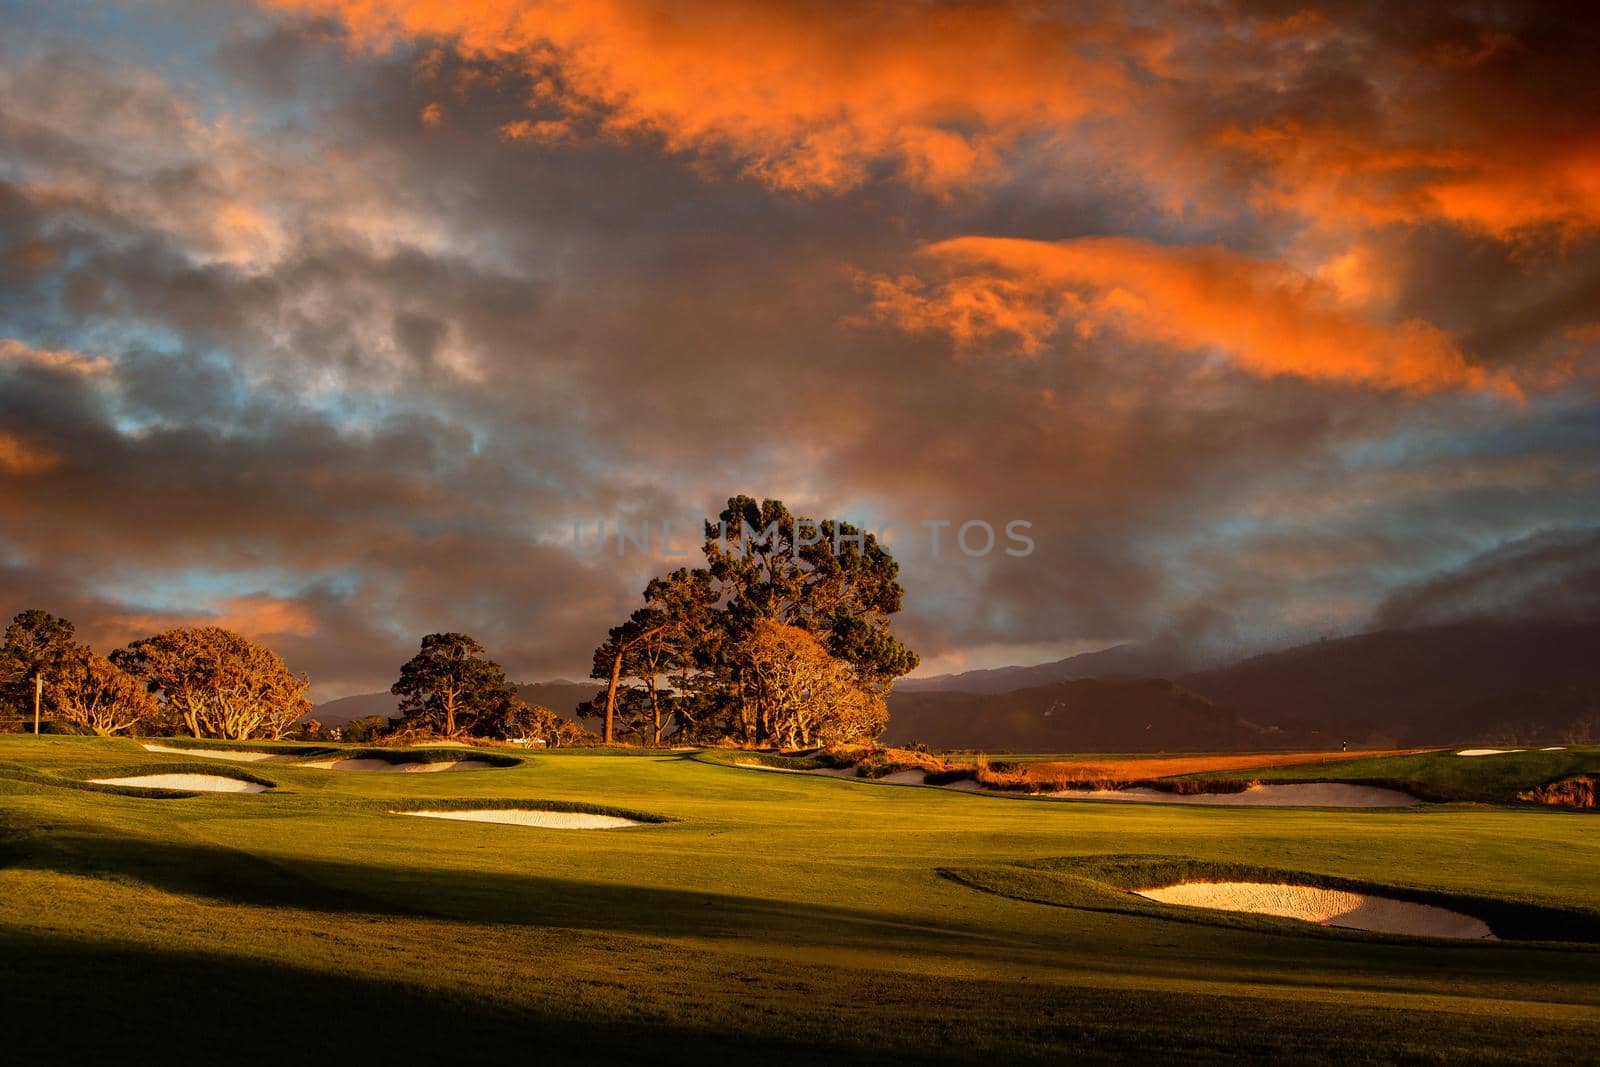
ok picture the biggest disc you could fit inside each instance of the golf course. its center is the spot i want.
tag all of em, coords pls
(708, 910)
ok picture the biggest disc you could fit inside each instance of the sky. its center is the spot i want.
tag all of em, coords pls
(331, 321)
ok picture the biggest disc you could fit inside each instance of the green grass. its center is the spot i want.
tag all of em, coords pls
(1439, 776)
(791, 918)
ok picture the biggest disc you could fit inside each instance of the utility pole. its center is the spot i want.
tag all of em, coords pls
(38, 692)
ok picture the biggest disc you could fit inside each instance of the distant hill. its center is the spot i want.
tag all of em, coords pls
(1084, 715)
(1132, 661)
(1428, 685)
(338, 712)
(559, 696)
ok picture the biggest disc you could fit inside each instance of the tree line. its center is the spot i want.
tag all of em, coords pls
(782, 639)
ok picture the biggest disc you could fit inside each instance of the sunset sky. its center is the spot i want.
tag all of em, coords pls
(326, 319)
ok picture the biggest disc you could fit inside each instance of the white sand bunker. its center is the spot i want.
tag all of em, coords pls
(196, 783)
(1487, 751)
(550, 820)
(1296, 795)
(1554, 748)
(208, 753)
(1327, 907)
(384, 766)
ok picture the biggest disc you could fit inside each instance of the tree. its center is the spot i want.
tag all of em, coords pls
(452, 687)
(535, 722)
(800, 694)
(829, 578)
(685, 651)
(218, 683)
(94, 692)
(658, 638)
(37, 646)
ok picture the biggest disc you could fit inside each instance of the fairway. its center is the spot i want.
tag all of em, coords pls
(815, 919)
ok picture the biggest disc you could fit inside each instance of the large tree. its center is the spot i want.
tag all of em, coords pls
(663, 636)
(828, 578)
(452, 686)
(36, 649)
(686, 649)
(94, 692)
(798, 695)
(218, 683)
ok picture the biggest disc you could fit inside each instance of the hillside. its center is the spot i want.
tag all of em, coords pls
(1438, 684)
(1117, 661)
(1085, 715)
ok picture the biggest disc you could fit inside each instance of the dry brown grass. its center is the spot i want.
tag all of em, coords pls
(1571, 793)
(1115, 773)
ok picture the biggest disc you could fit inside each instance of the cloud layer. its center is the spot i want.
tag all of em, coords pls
(326, 320)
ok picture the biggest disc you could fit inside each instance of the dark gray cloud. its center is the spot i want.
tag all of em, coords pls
(341, 375)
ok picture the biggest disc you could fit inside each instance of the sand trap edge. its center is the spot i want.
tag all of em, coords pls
(541, 818)
(480, 809)
(1342, 908)
(183, 782)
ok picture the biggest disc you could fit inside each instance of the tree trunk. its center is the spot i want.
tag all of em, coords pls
(611, 695)
(655, 712)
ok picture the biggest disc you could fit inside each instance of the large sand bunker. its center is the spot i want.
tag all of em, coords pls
(196, 783)
(1294, 795)
(217, 753)
(1327, 907)
(1487, 751)
(550, 820)
(412, 767)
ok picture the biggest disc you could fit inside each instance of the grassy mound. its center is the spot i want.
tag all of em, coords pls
(1441, 776)
(1103, 883)
(733, 757)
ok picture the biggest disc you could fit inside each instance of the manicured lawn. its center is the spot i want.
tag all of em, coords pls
(785, 917)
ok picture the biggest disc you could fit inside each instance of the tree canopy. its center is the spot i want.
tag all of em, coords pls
(688, 662)
(451, 686)
(218, 683)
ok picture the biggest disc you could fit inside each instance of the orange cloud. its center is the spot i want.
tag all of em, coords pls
(805, 99)
(20, 353)
(1264, 316)
(1328, 173)
(21, 457)
(258, 616)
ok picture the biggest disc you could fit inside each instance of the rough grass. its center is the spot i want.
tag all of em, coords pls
(780, 918)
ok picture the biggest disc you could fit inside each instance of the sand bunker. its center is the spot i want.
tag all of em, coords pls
(1300, 795)
(207, 753)
(1487, 751)
(1327, 907)
(197, 783)
(383, 765)
(550, 820)
(1554, 748)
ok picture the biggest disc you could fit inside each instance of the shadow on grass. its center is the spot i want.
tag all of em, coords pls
(74, 1001)
(475, 895)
